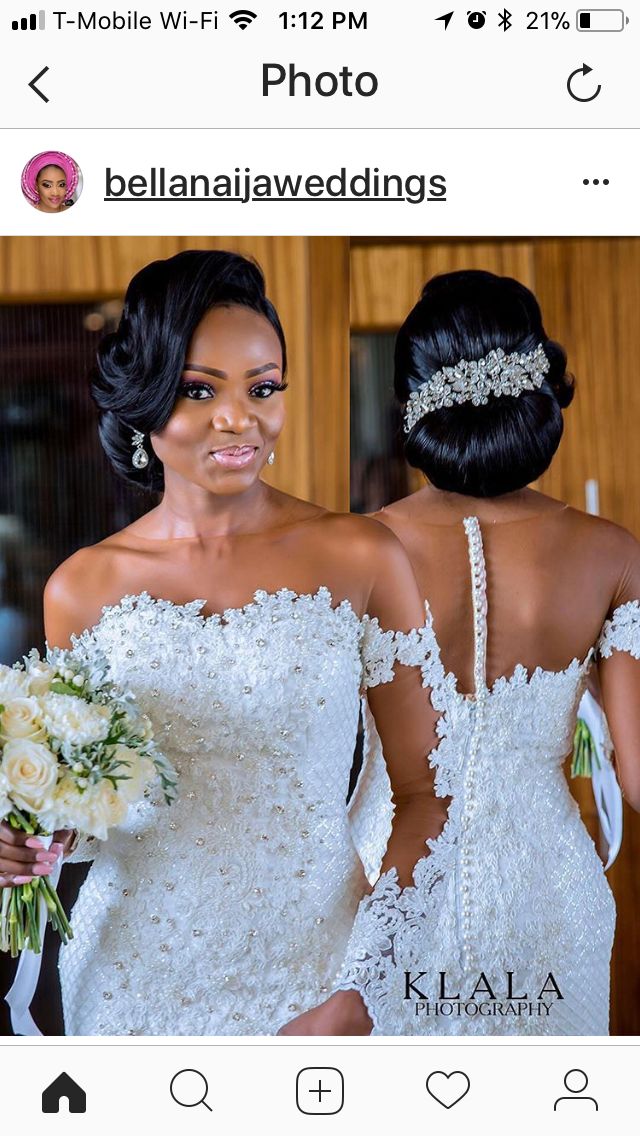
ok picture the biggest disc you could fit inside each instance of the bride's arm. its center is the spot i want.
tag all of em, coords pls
(406, 724)
(619, 674)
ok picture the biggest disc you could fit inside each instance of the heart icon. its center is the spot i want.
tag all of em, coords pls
(448, 1088)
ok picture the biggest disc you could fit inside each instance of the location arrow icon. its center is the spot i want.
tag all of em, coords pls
(446, 19)
(35, 89)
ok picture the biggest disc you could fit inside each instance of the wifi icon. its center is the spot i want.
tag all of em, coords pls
(243, 17)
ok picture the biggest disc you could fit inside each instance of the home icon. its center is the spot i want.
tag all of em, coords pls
(64, 1086)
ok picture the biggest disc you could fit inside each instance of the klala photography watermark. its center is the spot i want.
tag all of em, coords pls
(435, 996)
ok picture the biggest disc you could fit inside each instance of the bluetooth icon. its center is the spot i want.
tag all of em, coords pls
(505, 20)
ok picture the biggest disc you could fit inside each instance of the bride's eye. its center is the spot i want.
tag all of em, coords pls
(266, 389)
(196, 391)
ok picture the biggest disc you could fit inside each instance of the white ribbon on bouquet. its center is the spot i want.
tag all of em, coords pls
(606, 790)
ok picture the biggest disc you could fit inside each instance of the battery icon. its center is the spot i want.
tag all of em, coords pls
(601, 20)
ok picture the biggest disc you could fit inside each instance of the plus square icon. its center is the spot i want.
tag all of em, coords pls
(320, 1091)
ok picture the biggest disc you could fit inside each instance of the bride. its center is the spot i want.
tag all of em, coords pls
(247, 623)
(526, 596)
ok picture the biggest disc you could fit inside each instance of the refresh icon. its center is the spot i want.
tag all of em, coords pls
(583, 71)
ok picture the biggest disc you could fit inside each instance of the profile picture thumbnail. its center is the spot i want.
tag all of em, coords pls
(52, 181)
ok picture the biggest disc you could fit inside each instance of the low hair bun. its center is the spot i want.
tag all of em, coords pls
(505, 444)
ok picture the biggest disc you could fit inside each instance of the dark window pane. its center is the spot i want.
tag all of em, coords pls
(379, 473)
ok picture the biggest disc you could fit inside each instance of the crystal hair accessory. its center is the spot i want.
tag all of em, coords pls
(140, 457)
(474, 381)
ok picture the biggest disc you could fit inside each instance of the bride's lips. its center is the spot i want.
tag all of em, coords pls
(234, 457)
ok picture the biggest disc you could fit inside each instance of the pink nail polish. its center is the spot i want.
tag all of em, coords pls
(33, 842)
(22, 879)
(42, 869)
(45, 857)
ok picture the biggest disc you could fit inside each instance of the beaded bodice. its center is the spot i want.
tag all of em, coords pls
(253, 874)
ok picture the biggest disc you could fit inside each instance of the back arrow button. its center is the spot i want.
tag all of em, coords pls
(33, 82)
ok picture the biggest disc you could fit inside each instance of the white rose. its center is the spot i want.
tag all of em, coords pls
(139, 772)
(99, 808)
(31, 772)
(13, 683)
(72, 719)
(41, 675)
(21, 719)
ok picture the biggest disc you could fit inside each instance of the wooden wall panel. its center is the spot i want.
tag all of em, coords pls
(306, 279)
(589, 292)
(329, 261)
(386, 279)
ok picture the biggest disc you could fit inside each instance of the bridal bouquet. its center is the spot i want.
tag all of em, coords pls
(75, 752)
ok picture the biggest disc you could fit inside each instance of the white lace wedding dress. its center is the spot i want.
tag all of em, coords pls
(514, 883)
(229, 913)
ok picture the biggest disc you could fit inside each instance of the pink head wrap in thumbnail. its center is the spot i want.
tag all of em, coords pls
(48, 158)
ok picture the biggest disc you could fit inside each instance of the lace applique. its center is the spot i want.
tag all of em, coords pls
(419, 648)
(388, 936)
(378, 653)
(622, 631)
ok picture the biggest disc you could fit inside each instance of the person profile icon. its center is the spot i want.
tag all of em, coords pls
(576, 1081)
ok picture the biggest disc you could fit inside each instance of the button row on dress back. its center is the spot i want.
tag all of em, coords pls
(479, 595)
(466, 854)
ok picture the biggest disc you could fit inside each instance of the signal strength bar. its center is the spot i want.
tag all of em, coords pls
(30, 23)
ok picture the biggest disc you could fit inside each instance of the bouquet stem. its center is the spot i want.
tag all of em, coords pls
(585, 752)
(20, 923)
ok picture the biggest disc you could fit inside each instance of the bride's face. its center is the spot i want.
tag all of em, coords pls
(230, 406)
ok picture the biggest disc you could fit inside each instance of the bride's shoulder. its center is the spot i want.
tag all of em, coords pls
(610, 540)
(364, 537)
(611, 551)
(79, 588)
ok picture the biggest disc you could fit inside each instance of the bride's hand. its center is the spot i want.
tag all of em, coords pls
(344, 1014)
(22, 856)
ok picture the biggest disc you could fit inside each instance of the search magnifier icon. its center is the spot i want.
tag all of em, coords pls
(189, 1088)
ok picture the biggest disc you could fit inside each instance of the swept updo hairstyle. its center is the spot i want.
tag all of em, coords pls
(480, 451)
(139, 366)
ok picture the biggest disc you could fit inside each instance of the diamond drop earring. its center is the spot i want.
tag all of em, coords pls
(271, 458)
(140, 457)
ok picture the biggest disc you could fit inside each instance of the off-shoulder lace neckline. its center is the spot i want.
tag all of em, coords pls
(520, 675)
(193, 608)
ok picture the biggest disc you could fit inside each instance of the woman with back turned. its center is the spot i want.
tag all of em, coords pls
(526, 595)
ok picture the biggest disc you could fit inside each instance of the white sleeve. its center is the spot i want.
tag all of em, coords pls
(621, 632)
(393, 923)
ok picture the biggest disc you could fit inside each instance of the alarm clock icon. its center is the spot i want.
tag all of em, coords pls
(476, 20)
